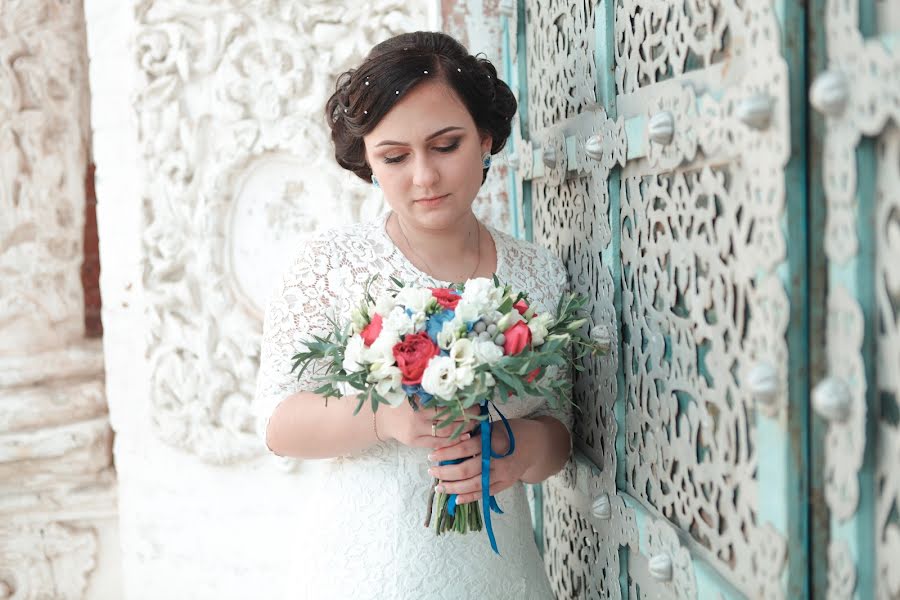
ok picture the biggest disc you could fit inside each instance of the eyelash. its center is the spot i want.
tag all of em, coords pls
(392, 160)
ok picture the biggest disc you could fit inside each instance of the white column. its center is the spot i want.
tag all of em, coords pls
(58, 532)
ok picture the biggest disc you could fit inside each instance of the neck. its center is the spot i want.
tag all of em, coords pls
(452, 249)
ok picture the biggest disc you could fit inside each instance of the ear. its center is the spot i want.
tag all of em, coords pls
(486, 142)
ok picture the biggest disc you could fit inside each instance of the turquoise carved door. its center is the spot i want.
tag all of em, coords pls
(660, 150)
(855, 202)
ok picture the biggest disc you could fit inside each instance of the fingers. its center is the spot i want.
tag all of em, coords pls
(496, 488)
(464, 470)
(469, 490)
(463, 448)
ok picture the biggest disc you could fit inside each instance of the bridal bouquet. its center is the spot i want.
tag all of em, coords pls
(452, 348)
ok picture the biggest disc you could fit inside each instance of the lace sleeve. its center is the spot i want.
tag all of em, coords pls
(297, 309)
(564, 413)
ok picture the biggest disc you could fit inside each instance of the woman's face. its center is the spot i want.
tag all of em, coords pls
(426, 154)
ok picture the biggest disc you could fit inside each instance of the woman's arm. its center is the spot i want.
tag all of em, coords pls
(302, 426)
(543, 445)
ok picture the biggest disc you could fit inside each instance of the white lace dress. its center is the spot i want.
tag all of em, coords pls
(359, 525)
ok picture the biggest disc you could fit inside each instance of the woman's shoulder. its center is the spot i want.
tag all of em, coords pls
(523, 252)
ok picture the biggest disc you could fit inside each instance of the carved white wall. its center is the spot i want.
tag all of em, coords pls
(58, 533)
(213, 163)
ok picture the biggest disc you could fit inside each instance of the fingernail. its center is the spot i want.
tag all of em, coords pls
(466, 436)
(431, 472)
(439, 489)
(431, 457)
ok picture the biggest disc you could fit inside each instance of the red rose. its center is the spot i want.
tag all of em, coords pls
(370, 332)
(412, 356)
(446, 297)
(521, 307)
(517, 338)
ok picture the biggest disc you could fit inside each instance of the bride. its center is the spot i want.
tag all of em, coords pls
(420, 119)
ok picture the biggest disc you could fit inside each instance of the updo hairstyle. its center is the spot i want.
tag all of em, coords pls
(364, 95)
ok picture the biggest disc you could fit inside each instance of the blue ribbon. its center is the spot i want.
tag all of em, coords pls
(488, 502)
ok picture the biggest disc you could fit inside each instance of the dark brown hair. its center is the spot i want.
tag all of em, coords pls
(364, 95)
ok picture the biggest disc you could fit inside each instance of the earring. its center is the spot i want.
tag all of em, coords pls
(375, 182)
(486, 160)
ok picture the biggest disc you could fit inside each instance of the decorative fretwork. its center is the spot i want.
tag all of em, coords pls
(887, 293)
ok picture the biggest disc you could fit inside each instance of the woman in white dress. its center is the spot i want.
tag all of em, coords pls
(420, 118)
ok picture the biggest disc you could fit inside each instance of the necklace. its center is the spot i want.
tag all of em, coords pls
(425, 262)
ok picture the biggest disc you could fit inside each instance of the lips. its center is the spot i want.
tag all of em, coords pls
(431, 199)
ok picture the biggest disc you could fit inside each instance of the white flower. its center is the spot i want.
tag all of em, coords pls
(353, 354)
(463, 352)
(482, 389)
(465, 375)
(486, 352)
(357, 320)
(538, 326)
(385, 304)
(387, 383)
(439, 377)
(508, 320)
(416, 299)
(450, 332)
(479, 298)
(399, 322)
(382, 349)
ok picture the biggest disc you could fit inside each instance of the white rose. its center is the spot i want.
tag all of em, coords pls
(416, 299)
(465, 375)
(353, 354)
(439, 378)
(486, 352)
(463, 352)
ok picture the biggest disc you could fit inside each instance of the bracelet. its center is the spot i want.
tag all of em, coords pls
(375, 426)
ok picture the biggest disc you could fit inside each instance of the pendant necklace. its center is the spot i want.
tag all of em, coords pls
(425, 262)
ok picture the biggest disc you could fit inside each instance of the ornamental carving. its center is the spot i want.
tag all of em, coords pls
(238, 160)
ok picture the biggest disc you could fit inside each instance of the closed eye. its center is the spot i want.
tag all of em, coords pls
(442, 149)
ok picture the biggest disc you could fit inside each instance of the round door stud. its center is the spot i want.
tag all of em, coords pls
(601, 508)
(661, 128)
(660, 567)
(829, 93)
(594, 147)
(762, 381)
(549, 157)
(755, 112)
(831, 399)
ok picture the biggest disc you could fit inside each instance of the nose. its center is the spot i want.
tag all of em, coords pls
(425, 174)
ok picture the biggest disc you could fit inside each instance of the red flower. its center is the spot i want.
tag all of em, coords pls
(446, 297)
(517, 338)
(530, 377)
(370, 332)
(521, 307)
(412, 356)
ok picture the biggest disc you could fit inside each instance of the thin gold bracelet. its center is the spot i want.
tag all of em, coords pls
(375, 426)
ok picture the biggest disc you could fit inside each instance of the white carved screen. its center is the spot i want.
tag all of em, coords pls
(654, 159)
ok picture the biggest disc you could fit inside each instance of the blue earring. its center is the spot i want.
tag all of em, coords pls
(375, 182)
(486, 160)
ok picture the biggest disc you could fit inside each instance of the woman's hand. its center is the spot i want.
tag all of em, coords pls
(413, 427)
(464, 478)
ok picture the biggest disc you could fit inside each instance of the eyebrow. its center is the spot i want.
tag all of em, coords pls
(432, 136)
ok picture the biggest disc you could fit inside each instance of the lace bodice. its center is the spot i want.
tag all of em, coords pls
(365, 509)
